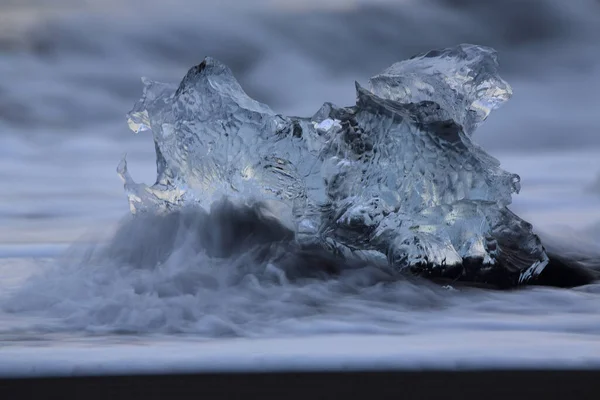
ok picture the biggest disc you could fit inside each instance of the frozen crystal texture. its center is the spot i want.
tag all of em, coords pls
(395, 176)
(463, 80)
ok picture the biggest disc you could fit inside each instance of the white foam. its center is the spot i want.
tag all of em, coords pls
(439, 350)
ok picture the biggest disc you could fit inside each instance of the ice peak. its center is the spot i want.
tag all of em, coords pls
(463, 80)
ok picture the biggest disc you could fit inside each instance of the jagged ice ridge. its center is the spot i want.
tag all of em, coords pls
(395, 177)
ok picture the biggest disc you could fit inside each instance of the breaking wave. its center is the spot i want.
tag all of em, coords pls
(160, 274)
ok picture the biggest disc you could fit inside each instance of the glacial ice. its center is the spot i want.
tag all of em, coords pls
(396, 176)
(463, 80)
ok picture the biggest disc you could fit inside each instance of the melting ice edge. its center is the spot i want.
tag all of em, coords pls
(395, 179)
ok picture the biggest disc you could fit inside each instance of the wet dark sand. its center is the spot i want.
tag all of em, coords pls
(490, 384)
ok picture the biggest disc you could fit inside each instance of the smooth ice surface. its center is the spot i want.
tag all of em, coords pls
(395, 175)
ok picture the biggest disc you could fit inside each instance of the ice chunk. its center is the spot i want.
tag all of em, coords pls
(397, 175)
(463, 80)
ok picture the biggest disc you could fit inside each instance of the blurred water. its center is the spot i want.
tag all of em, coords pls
(71, 69)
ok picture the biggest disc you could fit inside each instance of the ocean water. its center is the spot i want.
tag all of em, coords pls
(71, 70)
